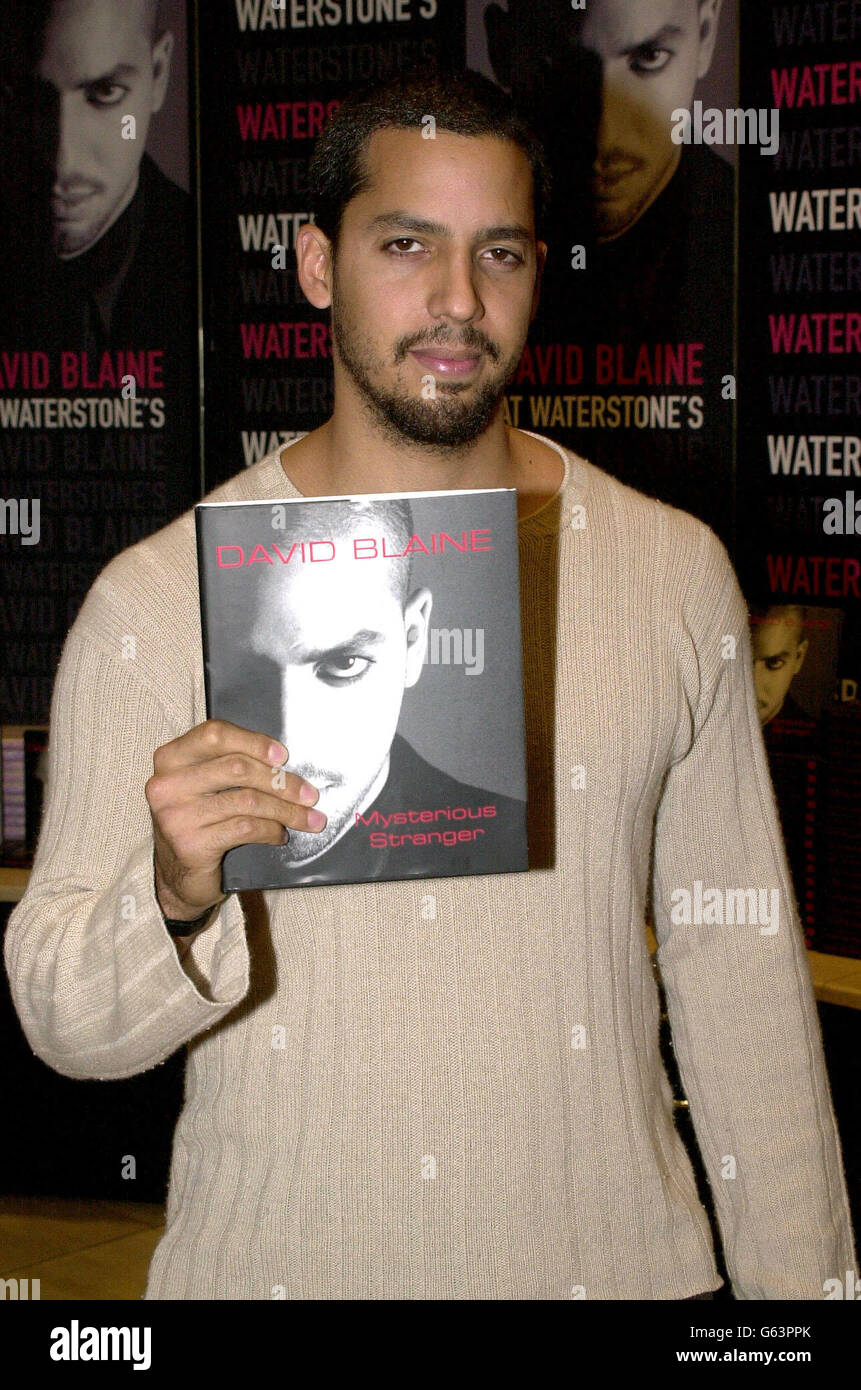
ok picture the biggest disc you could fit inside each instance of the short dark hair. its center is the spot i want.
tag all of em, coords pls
(393, 515)
(793, 614)
(461, 102)
(34, 14)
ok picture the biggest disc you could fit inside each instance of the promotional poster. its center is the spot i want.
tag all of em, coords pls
(630, 358)
(799, 452)
(98, 335)
(269, 77)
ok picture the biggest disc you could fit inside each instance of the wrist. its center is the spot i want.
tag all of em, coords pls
(181, 926)
(175, 910)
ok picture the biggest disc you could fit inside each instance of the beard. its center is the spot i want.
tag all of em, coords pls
(456, 415)
(341, 803)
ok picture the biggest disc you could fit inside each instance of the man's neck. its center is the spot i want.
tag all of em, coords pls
(339, 459)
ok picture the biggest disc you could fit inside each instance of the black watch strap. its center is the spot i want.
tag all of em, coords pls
(178, 928)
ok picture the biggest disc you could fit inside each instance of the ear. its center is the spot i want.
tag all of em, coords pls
(161, 56)
(541, 259)
(416, 619)
(709, 19)
(314, 264)
(497, 25)
(801, 654)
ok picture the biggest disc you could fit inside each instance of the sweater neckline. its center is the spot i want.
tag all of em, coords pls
(550, 518)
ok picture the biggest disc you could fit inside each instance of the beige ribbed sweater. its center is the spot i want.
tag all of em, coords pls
(471, 1105)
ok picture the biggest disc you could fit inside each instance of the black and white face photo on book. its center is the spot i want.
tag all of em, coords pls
(320, 634)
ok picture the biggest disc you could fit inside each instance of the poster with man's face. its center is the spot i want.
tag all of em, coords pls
(630, 352)
(83, 83)
(98, 339)
(795, 650)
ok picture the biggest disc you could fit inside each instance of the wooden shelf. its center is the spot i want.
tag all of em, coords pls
(836, 979)
(12, 884)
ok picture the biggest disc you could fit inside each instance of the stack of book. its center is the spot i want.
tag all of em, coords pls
(23, 772)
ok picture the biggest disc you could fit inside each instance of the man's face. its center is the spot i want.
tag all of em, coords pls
(778, 655)
(97, 68)
(646, 55)
(650, 58)
(346, 648)
(435, 283)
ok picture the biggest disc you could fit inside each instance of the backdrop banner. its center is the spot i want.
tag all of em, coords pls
(799, 475)
(269, 76)
(98, 336)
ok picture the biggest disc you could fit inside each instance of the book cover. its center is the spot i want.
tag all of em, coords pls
(378, 638)
(14, 818)
(24, 767)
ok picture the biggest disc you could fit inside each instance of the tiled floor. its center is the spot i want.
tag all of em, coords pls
(79, 1249)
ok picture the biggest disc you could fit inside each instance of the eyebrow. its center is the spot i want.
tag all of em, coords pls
(121, 70)
(669, 31)
(408, 222)
(365, 637)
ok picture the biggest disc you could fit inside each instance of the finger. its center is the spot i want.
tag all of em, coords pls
(244, 830)
(223, 774)
(213, 739)
(237, 801)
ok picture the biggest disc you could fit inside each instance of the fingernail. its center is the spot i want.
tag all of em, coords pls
(316, 820)
(277, 754)
(307, 794)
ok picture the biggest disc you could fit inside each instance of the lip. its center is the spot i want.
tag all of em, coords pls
(64, 208)
(452, 364)
(604, 185)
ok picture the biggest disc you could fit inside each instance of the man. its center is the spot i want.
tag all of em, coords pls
(655, 220)
(90, 217)
(449, 1089)
(323, 650)
(779, 649)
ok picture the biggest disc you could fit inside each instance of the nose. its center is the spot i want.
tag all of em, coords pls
(614, 111)
(300, 715)
(67, 160)
(453, 292)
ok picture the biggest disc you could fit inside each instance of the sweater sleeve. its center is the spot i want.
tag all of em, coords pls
(94, 974)
(739, 994)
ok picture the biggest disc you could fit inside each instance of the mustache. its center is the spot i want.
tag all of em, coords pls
(617, 162)
(324, 781)
(72, 189)
(472, 338)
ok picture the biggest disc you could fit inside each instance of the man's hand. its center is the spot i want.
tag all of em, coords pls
(212, 789)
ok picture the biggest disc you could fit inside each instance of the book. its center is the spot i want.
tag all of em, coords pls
(377, 637)
(24, 751)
